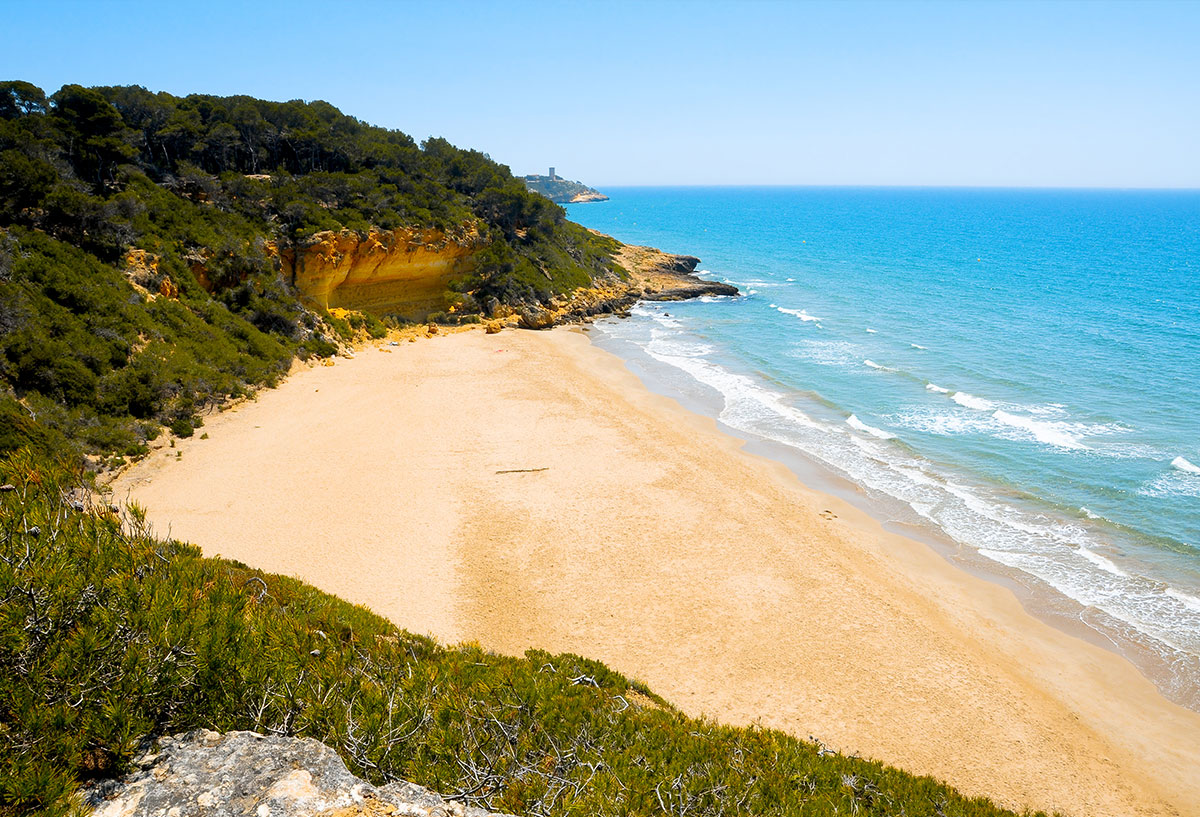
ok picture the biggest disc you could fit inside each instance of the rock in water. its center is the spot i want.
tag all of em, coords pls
(244, 774)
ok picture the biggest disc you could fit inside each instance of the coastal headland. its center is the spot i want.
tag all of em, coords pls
(407, 272)
(524, 489)
(562, 191)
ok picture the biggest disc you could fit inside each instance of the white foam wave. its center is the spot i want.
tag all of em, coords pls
(1186, 599)
(872, 331)
(872, 364)
(1048, 410)
(1043, 432)
(856, 423)
(972, 402)
(1090, 514)
(666, 320)
(1172, 484)
(936, 388)
(798, 313)
(1101, 562)
(941, 423)
(744, 399)
(1179, 463)
(752, 292)
(918, 346)
(678, 344)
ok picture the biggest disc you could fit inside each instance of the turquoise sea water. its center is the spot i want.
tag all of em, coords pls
(1013, 371)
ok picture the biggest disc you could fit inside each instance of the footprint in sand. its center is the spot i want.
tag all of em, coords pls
(828, 514)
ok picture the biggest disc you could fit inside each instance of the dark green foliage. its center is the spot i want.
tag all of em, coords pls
(20, 429)
(108, 635)
(370, 324)
(19, 98)
(209, 188)
(93, 133)
(102, 364)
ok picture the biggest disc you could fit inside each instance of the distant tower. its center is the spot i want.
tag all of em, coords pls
(552, 176)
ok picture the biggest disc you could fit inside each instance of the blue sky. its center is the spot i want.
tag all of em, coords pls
(1010, 94)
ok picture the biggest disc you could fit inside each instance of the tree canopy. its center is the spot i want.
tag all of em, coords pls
(208, 183)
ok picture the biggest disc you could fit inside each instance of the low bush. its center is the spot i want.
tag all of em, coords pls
(110, 636)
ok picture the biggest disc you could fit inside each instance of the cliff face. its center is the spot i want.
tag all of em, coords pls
(394, 271)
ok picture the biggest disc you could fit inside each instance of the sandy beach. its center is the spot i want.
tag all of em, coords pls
(524, 489)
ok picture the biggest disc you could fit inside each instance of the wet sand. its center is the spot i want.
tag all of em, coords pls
(525, 490)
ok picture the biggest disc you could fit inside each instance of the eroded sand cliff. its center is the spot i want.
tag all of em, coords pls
(398, 271)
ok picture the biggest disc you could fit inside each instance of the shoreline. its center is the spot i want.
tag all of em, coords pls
(713, 574)
(1040, 599)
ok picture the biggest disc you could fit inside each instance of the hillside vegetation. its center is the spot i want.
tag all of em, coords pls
(138, 231)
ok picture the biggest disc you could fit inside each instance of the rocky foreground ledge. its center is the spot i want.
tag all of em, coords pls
(654, 275)
(244, 774)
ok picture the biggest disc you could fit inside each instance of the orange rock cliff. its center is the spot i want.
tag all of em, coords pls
(402, 271)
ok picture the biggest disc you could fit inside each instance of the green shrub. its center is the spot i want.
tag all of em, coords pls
(109, 635)
(368, 323)
(19, 429)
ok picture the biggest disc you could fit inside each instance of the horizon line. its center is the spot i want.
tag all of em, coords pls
(866, 186)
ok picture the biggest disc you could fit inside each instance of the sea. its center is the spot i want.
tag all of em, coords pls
(1012, 376)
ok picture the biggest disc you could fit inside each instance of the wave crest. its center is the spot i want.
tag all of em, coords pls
(858, 424)
(798, 313)
(1044, 432)
(1181, 464)
(972, 402)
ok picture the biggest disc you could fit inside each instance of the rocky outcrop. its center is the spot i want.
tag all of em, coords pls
(661, 276)
(244, 774)
(591, 195)
(142, 272)
(608, 297)
(653, 276)
(536, 318)
(403, 272)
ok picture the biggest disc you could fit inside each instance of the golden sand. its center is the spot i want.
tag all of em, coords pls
(525, 490)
